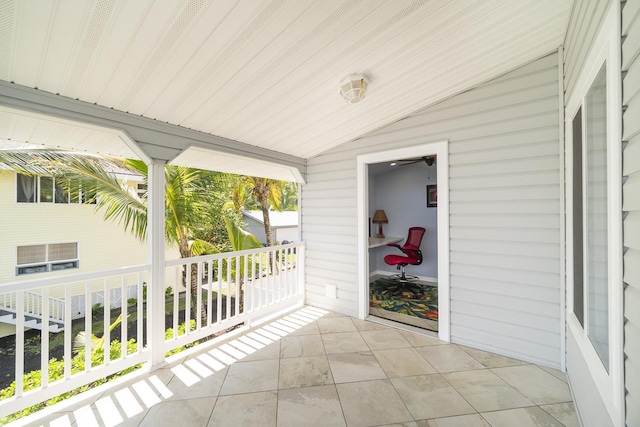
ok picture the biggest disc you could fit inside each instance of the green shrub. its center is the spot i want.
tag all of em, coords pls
(32, 380)
(97, 310)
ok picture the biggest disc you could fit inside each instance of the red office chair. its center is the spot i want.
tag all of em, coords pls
(412, 254)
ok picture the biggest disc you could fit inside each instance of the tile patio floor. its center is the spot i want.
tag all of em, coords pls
(316, 368)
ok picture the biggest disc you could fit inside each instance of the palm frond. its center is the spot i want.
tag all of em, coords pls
(85, 174)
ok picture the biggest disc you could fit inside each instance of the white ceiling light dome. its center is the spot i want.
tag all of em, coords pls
(353, 88)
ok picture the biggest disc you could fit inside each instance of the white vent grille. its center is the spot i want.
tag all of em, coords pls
(6, 32)
(95, 29)
(247, 33)
(164, 48)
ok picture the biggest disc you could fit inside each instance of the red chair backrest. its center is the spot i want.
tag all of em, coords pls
(414, 238)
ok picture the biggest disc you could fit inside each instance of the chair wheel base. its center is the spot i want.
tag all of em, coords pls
(404, 278)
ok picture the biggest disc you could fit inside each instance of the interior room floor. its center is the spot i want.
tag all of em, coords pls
(313, 367)
(414, 303)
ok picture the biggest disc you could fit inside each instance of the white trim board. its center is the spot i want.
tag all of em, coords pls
(441, 150)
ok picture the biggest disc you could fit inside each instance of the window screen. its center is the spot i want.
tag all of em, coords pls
(32, 254)
(63, 251)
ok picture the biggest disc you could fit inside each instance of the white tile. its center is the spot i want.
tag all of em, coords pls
(303, 328)
(247, 377)
(403, 362)
(485, 391)
(522, 417)
(364, 325)
(431, 396)
(332, 325)
(473, 420)
(304, 372)
(449, 358)
(310, 406)
(371, 403)
(421, 340)
(491, 360)
(351, 367)
(556, 373)
(384, 339)
(252, 409)
(302, 345)
(208, 386)
(180, 412)
(535, 383)
(344, 342)
(564, 412)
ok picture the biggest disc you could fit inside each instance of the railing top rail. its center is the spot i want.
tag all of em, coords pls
(75, 278)
(222, 255)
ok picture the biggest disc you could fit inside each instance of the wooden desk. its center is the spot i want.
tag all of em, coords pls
(375, 242)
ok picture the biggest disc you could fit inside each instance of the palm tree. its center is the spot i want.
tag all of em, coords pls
(264, 192)
(185, 201)
(241, 240)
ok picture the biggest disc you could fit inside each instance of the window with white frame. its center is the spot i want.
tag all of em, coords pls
(46, 189)
(591, 225)
(32, 259)
(594, 220)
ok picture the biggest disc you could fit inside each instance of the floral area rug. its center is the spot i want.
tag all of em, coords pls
(411, 299)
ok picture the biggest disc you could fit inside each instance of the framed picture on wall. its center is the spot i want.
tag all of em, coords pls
(432, 196)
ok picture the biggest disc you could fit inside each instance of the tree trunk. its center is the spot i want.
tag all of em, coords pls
(185, 252)
(267, 224)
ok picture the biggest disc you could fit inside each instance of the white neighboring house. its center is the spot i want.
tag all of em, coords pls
(47, 234)
(284, 225)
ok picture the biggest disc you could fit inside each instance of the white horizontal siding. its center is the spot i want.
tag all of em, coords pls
(504, 211)
(631, 205)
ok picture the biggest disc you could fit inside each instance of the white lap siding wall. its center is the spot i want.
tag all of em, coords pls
(505, 204)
(631, 206)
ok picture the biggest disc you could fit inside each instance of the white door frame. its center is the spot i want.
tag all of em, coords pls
(441, 150)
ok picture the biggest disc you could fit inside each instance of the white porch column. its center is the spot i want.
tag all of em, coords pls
(155, 242)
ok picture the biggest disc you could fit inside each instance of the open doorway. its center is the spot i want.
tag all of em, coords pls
(403, 241)
(373, 187)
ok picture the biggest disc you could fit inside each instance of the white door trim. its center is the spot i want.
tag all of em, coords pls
(441, 150)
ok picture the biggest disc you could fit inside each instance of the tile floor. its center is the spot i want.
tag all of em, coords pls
(314, 368)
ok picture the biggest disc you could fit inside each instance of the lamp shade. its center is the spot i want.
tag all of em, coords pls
(380, 217)
(353, 88)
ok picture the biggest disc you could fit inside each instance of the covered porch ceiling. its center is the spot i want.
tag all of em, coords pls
(263, 73)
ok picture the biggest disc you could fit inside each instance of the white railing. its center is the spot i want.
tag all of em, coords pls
(33, 305)
(234, 288)
(58, 378)
(228, 289)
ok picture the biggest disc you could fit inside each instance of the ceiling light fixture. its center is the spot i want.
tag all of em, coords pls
(353, 88)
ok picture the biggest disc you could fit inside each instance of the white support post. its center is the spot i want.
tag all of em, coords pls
(155, 242)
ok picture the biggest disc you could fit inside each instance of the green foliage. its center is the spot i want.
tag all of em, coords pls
(168, 292)
(182, 329)
(132, 301)
(97, 310)
(33, 379)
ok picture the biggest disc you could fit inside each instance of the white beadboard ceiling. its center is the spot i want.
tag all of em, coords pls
(264, 72)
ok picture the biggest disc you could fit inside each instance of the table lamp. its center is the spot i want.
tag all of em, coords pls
(380, 218)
